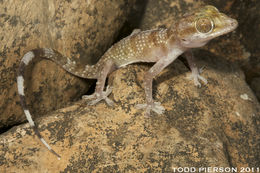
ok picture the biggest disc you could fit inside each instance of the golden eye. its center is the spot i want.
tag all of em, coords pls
(204, 25)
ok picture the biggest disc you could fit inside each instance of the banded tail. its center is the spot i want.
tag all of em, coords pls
(89, 71)
(27, 58)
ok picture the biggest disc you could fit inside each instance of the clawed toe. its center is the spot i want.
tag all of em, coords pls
(97, 97)
(196, 77)
(93, 102)
(140, 106)
(108, 90)
(203, 79)
(109, 101)
(156, 107)
(87, 97)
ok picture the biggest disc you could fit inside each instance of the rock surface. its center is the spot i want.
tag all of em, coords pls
(81, 30)
(249, 16)
(216, 125)
(255, 85)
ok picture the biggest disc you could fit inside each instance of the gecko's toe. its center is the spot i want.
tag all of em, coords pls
(108, 90)
(201, 69)
(196, 82)
(93, 102)
(97, 97)
(109, 101)
(87, 97)
(196, 77)
(203, 79)
(156, 107)
(140, 106)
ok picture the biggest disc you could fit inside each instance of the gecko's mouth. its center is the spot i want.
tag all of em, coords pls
(229, 26)
(234, 23)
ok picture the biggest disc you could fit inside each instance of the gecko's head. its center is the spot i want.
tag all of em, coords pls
(198, 27)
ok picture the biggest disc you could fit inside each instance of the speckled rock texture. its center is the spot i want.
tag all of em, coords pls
(81, 30)
(215, 125)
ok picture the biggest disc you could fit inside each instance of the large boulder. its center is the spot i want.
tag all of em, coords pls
(216, 125)
(80, 30)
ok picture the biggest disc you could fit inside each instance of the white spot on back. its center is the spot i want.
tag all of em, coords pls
(20, 85)
(28, 57)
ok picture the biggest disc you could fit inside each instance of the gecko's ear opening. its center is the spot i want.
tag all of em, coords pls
(184, 41)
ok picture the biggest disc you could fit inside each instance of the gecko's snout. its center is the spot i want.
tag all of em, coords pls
(234, 23)
(229, 25)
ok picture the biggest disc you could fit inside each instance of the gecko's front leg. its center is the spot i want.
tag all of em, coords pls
(150, 104)
(148, 81)
(195, 72)
(99, 93)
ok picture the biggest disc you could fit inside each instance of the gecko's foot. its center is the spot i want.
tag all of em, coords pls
(196, 76)
(97, 97)
(156, 107)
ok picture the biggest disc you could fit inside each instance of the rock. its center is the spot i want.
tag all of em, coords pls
(249, 14)
(216, 125)
(166, 13)
(249, 27)
(255, 85)
(81, 30)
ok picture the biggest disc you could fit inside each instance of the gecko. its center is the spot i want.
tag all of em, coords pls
(158, 46)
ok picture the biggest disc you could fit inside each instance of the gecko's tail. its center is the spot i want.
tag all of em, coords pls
(27, 58)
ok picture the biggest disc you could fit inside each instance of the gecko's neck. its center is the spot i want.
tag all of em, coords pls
(173, 41)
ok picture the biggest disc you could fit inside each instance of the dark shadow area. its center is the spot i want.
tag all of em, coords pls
(133, 20)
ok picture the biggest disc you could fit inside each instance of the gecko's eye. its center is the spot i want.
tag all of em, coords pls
(204, 25)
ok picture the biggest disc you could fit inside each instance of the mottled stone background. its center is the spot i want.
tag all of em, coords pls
(217, 125)
(81, 30)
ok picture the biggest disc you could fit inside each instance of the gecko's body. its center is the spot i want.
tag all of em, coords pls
(161, 46)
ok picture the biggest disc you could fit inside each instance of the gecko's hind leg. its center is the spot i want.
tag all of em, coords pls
(96, 97)
(100, 94)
